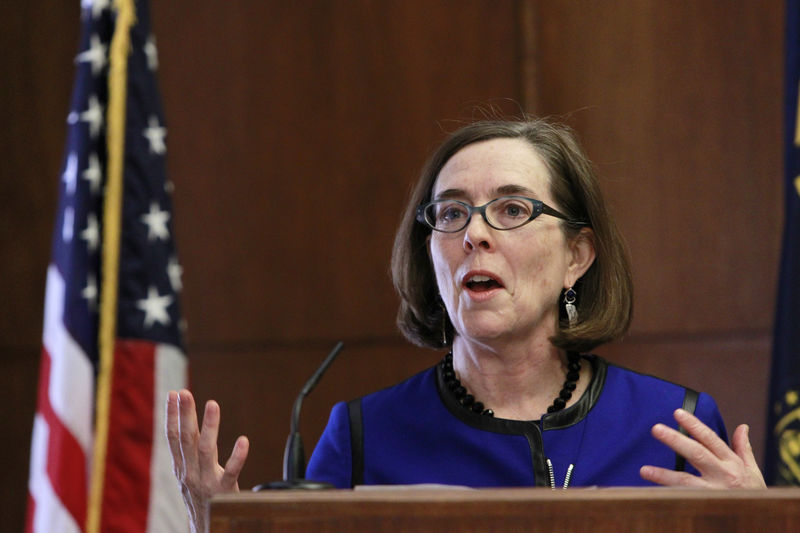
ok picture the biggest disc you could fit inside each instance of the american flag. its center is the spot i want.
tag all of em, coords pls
(112, 345)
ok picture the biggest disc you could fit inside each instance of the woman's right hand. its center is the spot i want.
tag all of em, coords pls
(195, 459)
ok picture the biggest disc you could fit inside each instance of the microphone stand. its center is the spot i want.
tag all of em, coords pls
(294, 457)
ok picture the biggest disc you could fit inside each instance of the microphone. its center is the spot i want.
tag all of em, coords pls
(294, 457)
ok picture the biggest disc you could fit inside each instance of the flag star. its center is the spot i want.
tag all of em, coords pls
(151, 52)
(156, 221)
(93, 174)
(96, 55)
(71, 172)
(90, 292)
(93, 115)
(175, 271)
(67, 226)
(92, 233)
(155, 308)
(73, 117)
(169, 187)
(155, 133)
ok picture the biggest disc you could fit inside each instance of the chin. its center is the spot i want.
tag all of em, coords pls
(484, 330)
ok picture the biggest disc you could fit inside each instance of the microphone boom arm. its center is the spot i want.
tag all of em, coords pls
(294, 460)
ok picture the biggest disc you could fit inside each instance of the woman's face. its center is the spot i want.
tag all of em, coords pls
(500, 285)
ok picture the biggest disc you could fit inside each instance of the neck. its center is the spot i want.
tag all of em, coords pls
(517, 382)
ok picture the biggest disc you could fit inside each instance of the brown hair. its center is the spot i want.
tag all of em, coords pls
(605, 291)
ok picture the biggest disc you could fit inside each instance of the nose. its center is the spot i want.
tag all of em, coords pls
(477, 234)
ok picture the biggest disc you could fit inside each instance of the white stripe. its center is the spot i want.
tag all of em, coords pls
(71, 387)
(67, 228)
(166, 513)
(49, 514)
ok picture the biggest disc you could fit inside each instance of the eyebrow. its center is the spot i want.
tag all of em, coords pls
(503, 190)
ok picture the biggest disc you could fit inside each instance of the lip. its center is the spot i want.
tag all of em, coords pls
(481, 295)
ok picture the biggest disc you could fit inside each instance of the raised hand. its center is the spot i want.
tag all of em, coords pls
(195, 459)
(720, 466)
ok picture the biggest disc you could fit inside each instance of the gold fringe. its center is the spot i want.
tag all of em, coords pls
(112, 221)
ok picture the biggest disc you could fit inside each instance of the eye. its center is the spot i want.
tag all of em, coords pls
(447, 215)
(450, 212)
(513, 208)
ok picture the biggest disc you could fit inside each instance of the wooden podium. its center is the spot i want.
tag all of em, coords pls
(421, 510)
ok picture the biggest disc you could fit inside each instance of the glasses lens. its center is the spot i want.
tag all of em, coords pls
(508, 212)
(447, 215)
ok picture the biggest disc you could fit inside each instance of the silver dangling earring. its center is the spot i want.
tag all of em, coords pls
(569, 304)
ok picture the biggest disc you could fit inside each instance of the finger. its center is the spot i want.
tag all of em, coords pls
(703, 434)
(207, 445)
(741, 444)
(188, 431)
(670, 478)
(235, 464)
(694, 452)
(743, 448)
(173, 433)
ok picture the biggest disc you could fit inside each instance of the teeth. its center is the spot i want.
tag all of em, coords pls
(479, 279)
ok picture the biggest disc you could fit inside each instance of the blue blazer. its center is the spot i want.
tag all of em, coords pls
(418, 432)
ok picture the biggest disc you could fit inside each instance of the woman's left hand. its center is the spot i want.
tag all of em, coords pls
(719, 465)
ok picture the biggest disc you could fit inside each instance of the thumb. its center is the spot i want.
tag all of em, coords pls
(234, 465)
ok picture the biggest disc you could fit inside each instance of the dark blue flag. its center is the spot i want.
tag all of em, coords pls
(782, 464)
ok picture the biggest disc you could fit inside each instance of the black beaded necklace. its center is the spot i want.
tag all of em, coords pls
(468, 400)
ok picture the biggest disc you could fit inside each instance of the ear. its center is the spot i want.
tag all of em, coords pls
(583, 254)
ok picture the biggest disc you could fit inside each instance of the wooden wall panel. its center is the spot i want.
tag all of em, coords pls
(280, 109)
(295, 130)
(679, 106)
(37, 46)
(298, 143)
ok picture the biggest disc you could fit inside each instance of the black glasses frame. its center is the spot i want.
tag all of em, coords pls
(539, 208)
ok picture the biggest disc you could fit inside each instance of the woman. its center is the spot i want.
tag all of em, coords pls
(507, 257)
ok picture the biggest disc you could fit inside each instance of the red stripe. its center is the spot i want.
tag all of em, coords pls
(126, 490)
(30, 513)
(66, 462)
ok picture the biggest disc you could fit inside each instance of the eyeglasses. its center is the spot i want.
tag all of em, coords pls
(503, 213)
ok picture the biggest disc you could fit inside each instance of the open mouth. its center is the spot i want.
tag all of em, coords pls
(481, 283)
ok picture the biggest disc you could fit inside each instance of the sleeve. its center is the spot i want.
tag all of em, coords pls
(332, 457)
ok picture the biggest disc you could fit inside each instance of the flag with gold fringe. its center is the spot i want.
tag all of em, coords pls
(782, 462)
(112, 343)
